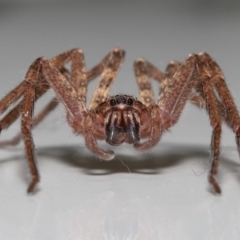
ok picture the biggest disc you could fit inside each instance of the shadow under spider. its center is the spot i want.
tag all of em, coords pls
(162, 156)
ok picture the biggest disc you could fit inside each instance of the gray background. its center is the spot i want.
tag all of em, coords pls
(161, 194)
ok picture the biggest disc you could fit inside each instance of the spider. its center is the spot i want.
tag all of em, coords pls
(121, 118)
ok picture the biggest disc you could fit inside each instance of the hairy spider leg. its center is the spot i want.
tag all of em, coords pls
(156, 129)
(98, 69)
(11, 98)
(64, 91)
(18, 92)
(108, 75)
(176, 88)
(78, 75)
(225, 103)
(204, 85)
(34, 77)
(32, 88)
(226, 107)
(32, 80)
(223, 106)
(207, 75)
(37, 119)
(143, 72)
(231, 113)
(193, 73)
(58, 62)
(79, 118)
(14, 114)
(145, 87)
(164, 78)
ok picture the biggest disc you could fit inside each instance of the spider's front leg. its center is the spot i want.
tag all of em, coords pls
(58, 62)
(85, 122)
(143, 70)
(78, 116)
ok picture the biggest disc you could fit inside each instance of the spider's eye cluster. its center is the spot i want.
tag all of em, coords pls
(121, 99)
(113, 102)
(130, 101)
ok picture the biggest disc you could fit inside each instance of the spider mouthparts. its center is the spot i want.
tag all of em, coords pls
(112, 133)
(123, 131)
(133, 133)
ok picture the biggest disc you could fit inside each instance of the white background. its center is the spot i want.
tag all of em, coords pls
(161, 194)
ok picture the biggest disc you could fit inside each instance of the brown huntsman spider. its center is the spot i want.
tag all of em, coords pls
(121, 118)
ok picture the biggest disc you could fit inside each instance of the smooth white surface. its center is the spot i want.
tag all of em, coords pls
(161, 194)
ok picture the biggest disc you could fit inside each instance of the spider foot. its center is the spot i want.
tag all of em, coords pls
(214, 183)
(32, 185)
(92, 145)
(237, 131)
(106, 155)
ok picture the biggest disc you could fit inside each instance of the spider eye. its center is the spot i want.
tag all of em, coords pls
(124, 100)
(129, 101)
(118, 100)
(113, 102)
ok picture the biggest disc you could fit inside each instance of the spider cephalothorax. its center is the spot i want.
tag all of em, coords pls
(121, 118)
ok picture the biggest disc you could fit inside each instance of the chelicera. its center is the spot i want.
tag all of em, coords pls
(121, 118)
